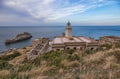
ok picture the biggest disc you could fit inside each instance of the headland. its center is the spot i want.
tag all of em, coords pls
(64, 57)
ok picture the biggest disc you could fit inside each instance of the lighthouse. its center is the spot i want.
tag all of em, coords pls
(68, 33)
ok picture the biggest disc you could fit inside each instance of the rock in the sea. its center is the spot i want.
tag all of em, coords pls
(18, 38)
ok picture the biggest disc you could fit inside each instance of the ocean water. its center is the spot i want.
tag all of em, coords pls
(51, 31)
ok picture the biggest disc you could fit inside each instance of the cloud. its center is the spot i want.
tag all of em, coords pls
(49, 10)
(12, 19)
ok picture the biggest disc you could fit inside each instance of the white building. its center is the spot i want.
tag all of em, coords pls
(73, 42)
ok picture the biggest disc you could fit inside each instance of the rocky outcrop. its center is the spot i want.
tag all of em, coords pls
(109, 40)
(18, 38)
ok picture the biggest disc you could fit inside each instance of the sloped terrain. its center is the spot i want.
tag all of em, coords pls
(69, 64)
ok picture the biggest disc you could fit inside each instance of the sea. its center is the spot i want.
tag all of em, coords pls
(52, 31)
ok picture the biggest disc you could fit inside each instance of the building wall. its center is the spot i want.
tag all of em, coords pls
(77, 45)
(57, 49)
(80, 47)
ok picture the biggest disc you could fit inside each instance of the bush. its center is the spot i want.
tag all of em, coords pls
(25, 67)
(89, 51)
(75, 64)
(117, 56)
(10, 57)
(77, 77)
(108, 46)
(53, 58)
(4, 65)
(51, 72)
(56, 61)
(51, 55)
(15, 76)
(69, 51)
(36, 61)
(117, 45)
(73, 58)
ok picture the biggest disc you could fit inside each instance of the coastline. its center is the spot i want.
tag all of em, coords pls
(66, 56)
(94, 32)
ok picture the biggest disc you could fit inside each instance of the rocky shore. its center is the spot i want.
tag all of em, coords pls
(18, 38)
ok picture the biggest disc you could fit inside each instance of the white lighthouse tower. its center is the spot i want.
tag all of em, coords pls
(68, 33)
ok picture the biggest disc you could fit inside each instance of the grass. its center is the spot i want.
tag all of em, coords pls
(68, 64)
(4, 65)
(10, 56)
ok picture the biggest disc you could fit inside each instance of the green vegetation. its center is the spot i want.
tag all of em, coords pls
(68, 64)
(5, 58)
(107, 46)
(10, 57)
(25, 67)
(117, 55)
(4, 65)
(117, 45)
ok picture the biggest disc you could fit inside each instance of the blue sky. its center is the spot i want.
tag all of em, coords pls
(58, 12)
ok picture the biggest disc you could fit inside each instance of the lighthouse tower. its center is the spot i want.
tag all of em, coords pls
(68, 33)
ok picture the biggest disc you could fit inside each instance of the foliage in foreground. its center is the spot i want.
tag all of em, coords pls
(68, 64)
(10, 56)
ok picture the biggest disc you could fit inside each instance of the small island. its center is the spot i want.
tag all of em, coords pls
(18, 38)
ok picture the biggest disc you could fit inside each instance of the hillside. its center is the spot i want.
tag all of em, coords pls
(69, 64)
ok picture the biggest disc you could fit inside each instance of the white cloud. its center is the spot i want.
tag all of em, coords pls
(52, 9)
(11, 19)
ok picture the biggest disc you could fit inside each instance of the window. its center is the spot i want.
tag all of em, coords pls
(58, 49)
(74, 48)
(68, 48)
(92, 48)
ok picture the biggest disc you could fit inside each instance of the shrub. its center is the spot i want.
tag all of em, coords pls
(75, 64)
(10, 57)
(108, 46)
(36, 61)
(25, 67)
(56, 61)
(46, 56)
(117, 45)
(77, 77)
(51, 71)
(54, 58)
(73, 57)
(13, 76)
(117, 55)
(70, 51)
(4, 65)
(87, 51)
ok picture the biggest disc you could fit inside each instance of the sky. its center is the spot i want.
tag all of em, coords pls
(58, 12)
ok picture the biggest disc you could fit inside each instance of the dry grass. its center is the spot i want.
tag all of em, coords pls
(18, 60)
(99, 56)
(4, 73)
(76, 65)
